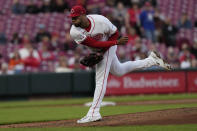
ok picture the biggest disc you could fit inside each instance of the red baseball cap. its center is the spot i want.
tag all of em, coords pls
(77, 11)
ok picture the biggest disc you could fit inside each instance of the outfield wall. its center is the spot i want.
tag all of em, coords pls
(40, 84)
(82, 83)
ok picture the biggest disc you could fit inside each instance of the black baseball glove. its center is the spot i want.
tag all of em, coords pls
(91, 59)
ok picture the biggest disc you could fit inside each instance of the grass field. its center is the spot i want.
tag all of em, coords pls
(57, 109)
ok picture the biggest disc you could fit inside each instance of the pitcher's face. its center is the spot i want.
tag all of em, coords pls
(76, 21)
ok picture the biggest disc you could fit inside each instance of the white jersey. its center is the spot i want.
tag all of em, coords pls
(101, 29)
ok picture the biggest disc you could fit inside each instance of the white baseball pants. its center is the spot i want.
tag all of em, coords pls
(112, 64)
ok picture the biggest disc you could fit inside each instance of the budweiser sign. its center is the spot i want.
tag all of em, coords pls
(154, 82)
(142, 82)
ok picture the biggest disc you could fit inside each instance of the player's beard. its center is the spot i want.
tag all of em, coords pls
(77, 25)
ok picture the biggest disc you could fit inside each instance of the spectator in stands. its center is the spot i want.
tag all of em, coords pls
(119, 13)
(55, 42)
(3, 38)
(73, 61)
(59, 6)
(47, 58)
(132, 18)
(186, 57)
(76, 54)
(122, 54)
(183, 40)
(45, 53)
(16, 63)
(4, 69)
(62, 65)
(169, 32)
(159, 19)
(32, 8)
(18, 8)
(77, 66)
(184, 22)
(68, 44)
(194, 48)
(16, 39)
(138, 49)
(194, 63)
(143, 2)
(131, 33)
(126, 3)
(29, 55)
(147, 22)
(46, 41)
(154, 3)
(172, 57)
(159, 16)
(26, 39)
(41, 33)
(32, 60)
(46, 7)
(95, 6)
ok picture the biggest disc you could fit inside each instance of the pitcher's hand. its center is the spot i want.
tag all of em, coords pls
(122, 40)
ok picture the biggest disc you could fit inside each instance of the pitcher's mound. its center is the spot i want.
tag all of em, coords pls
(162, 117)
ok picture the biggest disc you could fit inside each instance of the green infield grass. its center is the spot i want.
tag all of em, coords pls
(37, 111)
(111, 98)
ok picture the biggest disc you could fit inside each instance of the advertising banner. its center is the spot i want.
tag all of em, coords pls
(146, 82)
(192, 81)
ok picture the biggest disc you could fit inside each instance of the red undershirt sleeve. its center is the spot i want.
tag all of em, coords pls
(101, 44)
(114, 36)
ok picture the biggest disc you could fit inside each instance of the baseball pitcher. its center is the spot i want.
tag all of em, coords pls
(98, 33)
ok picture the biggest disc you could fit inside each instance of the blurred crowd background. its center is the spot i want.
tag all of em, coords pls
(34, 34)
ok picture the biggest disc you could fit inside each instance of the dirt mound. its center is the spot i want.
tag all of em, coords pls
(162, 117)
